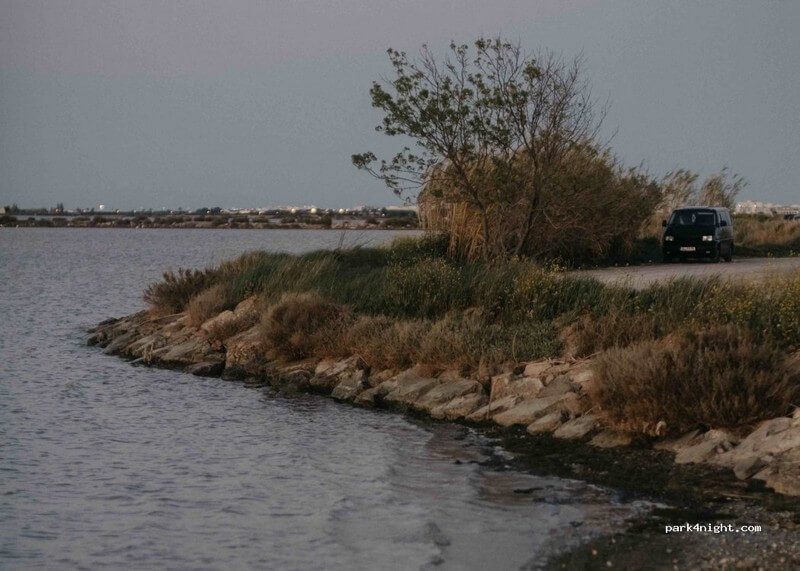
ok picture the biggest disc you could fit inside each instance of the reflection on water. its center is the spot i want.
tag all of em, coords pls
(108, 465)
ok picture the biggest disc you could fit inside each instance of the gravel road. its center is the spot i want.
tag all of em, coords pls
(741, 268)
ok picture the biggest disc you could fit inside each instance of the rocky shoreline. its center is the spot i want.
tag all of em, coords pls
(545, 397)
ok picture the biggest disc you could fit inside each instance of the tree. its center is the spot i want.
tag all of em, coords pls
(496, 124)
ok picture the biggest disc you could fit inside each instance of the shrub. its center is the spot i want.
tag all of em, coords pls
(302, 324)
(720, 377)
(173, 293)
(386, 343)
(208, 303)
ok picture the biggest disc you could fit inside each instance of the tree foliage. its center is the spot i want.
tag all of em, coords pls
(496, 129)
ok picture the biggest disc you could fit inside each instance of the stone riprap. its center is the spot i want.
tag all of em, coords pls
(544, 397)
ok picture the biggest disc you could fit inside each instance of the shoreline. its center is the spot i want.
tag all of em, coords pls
(576, 446)
(547, 397)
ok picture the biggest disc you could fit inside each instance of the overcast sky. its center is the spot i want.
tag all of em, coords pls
(254, 103)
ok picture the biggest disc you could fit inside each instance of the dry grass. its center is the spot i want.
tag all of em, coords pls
(303, 324)
(173, 293)
(207, 304)
(385, 343)
(761, 236)
(721, 377)
(588, 335)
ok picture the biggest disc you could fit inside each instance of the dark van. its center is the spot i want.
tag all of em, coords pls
(699, 231)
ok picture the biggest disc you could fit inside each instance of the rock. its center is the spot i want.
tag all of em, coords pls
(218, 321)
(119, 343)
(369, 397)
(684, 441)
(494, 407)
(350, 386)
(206, 368)
(536, 369)
(558, 386)
(188, 352)
(784, 475)
(445, 392)
(711, 444)
(546, 424)
(559, 368)
(411, 390)
(246, 307)
(771, 437)
(577, 428)
(324, 366)
(611, 439)
(583, 379)
(750, 465)
(245, 355)
(460, 407)
(525, 388)
(145, 346)
(328, 374)
(376, 379)
(528, 411)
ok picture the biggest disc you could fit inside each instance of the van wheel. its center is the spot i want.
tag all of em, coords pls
(729, 253)
(668, 259)
(715, 258)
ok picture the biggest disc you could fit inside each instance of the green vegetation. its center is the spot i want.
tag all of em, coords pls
(408, 304)
(513, 183)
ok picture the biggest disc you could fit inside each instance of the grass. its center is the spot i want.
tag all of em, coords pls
(407, 304)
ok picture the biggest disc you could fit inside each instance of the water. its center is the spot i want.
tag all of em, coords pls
(105, 465)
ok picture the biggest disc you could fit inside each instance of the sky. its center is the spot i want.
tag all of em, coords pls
(239, 103)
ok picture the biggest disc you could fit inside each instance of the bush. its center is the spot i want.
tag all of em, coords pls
(385, 343)
(173, 294)
(302, 324)
(208, 303)
(721, 377)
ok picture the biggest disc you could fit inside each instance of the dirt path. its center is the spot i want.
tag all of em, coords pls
(741, 268)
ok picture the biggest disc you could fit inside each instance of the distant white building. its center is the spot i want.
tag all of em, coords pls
(758, 207)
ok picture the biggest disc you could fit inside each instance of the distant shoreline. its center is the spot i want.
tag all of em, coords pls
(214, 222)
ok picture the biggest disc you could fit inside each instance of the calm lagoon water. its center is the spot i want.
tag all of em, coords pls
(106, 465)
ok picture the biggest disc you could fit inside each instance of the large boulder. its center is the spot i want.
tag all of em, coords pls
(546, 424)
(577, 428)
(188, 352)
(245, 354)
(784, 473)
(536, 368)
(528, 411)
(410, 390)
(460, 407)
(507, 385)
(771, 437)
(560, 385)
(446, 391)
(328, 374)
(349, 387)
(708, 446)
(611, 439)
(487, 411)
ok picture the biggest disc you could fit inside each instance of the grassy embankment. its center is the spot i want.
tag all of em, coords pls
(688, 352)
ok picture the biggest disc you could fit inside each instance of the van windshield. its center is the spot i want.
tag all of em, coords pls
(692, 218)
